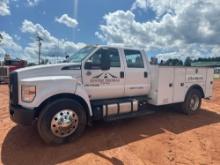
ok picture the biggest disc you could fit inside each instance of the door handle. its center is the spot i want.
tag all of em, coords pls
(122, 74)
(145, 74)
(170, 84)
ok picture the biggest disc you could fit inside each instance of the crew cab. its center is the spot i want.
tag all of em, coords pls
(101, 83)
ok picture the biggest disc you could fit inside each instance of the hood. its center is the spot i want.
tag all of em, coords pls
(64, 69)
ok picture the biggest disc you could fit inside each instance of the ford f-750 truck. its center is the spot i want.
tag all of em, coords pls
(101, 83)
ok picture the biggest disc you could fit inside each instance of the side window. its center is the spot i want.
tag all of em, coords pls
(96, 60)
(101, 54)
(134, 59)
(114, 57)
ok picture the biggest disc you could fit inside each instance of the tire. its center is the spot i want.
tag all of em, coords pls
(187, 106)
(51, 114)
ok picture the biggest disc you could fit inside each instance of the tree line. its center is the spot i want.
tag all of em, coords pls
(188, 61)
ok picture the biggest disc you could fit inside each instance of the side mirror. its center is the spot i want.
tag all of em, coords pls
(88, 65)
(105, 66)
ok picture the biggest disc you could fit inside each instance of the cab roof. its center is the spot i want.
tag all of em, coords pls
(118, 46)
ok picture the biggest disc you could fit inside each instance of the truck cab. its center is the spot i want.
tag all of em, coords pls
(109, 73)
(100, 83)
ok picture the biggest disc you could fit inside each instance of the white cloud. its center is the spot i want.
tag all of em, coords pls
(32, 3)
(185, 29)
(142, 4)
(162, 7)
(4, 8)
(37, 29)
(66, 20)
(51, 46)
(8, 45)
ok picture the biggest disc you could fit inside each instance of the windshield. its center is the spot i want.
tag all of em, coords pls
(81, 54)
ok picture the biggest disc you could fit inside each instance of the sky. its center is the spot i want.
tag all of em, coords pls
(163, 28)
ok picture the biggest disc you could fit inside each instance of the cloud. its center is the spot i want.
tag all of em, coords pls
(4, 8)
(162, 7)
(142, 4)
(9, 45)
(66, 20)
(188, 29)
(52, 47)
(37, 29)
(32, 3)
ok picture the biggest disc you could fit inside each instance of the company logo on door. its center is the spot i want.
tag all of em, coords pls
(104, 79)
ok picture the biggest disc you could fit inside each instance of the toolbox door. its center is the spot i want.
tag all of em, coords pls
(179, 85)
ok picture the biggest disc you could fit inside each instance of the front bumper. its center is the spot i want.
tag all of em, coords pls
(21, 115)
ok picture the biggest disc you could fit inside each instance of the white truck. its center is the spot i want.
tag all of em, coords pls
(101, 83)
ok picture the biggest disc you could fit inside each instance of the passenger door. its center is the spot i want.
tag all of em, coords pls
(136, 76)
(101, 82)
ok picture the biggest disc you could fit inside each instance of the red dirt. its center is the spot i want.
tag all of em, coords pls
(166, 137)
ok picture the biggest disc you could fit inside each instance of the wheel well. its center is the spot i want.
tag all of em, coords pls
(63, 95)
(197, 87)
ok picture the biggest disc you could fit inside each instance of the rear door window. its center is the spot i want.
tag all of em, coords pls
(134, 59)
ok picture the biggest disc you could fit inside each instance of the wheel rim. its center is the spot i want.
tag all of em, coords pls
(64, 123)
(194, 102)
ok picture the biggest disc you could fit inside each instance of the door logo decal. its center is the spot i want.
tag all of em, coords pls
(103, 79)
(105, 76)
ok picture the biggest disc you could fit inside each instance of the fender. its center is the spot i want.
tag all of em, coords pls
(198, 87)
(80, 91)
(47, 87)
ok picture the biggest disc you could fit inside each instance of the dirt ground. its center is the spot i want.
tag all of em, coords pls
(165, 137)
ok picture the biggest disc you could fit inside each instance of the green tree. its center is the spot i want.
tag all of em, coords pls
(174, 62)
(188, 61)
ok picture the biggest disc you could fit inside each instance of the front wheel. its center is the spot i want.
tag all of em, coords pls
(192, 102)
(61, 121)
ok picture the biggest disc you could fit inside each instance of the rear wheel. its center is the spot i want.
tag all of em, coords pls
(192, 102)
(61, 121)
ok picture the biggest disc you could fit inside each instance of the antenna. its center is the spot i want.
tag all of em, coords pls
(39, 39)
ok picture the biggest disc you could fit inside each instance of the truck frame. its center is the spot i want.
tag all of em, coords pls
(101, 83)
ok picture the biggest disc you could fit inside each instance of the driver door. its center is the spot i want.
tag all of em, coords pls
(102, 78)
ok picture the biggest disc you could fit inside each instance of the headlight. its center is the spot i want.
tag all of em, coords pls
(28, 93)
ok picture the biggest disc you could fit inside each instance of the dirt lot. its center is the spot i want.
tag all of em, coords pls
(166, 137)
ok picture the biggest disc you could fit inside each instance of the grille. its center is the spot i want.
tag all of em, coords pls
(3, 72)
(13, 88)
